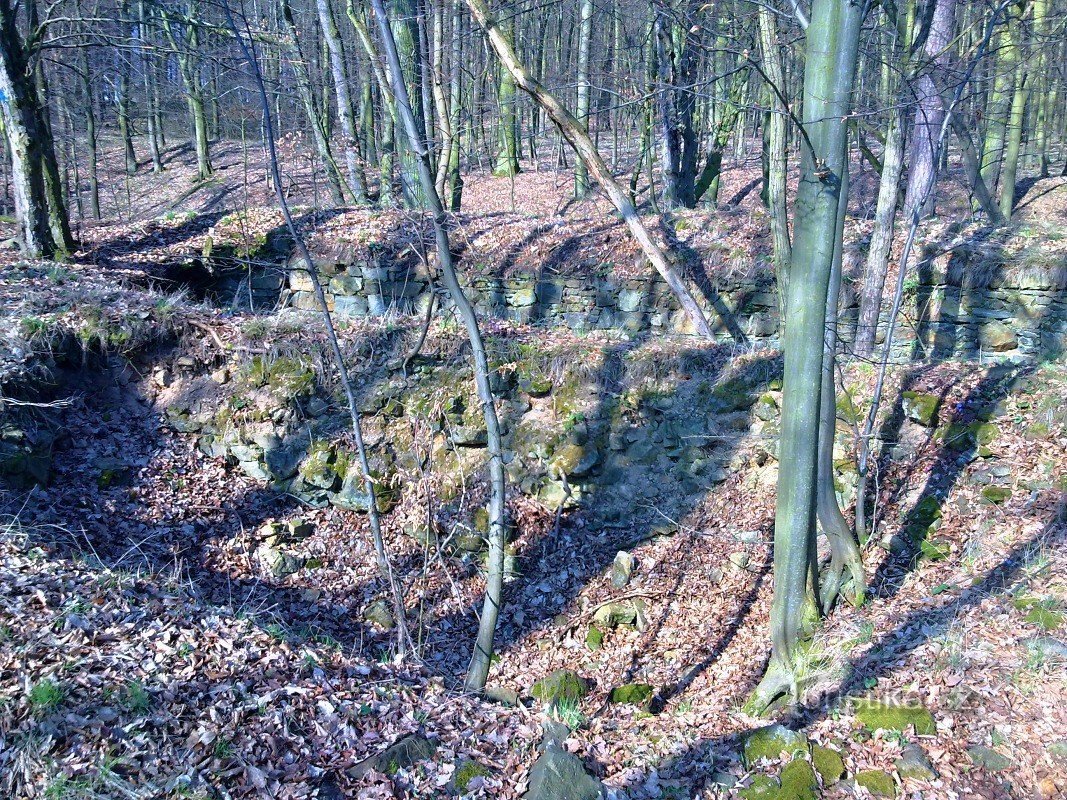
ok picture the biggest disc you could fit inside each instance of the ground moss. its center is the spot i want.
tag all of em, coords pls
(466, 772)
(876, 715)
(763, 787)
(637, 694)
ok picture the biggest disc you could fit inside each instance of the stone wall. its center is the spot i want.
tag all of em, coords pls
(970, 304)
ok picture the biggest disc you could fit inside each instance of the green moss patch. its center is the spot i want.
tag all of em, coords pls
(637, 694)
(879, 715)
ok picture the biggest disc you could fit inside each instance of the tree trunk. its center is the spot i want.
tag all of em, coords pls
(22, 126)
(998, 107)
(125, 127)
(507, 160)
(929, 111)
(1014, 136)
(151, 91)
(777, 166)
(343, 93)
(334, 179)
(483, 651)
(90, 133)
(882, 236)
(585, 35)
(830, 64)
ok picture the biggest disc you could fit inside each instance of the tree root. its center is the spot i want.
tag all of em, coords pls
(776, 689)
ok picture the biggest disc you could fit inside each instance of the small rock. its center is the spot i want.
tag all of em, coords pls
(988, 758)
(1047, 647)
(1058, 751)
(299, 529)
(280, 564)
(739, 560)
(559, 775)
(221, 375)
(502, 695)
(406, 752)
(612, 615)
(770, 742)
(996, 495)
(622, 569)
(915, 764)
(378, 613)
(998, 337)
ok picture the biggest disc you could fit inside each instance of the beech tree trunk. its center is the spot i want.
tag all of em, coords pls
(831, 45)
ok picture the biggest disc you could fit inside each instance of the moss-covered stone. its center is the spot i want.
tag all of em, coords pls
(612, 615)
(594, 638)
(876, 715)
(321, 468)
(1045, 616)
(763, 787)
(378, 613)
(770, 742)
(733, 394)
(985, 433)
(921, 407)
(573, 460)
(563, 684)
(798, 781)
(935, 549)
(988, 758)
(914, 764)
(638, 694)
(828, 763)
(996, 495)
(878, 782)
(466, 771)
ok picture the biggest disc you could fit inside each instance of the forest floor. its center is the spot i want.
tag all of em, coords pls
(145, 653)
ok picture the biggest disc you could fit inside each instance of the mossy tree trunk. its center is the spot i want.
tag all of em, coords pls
(40, 207)
(186, 42)
(507, 160)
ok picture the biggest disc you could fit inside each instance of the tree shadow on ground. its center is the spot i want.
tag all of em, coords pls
(919, 625)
